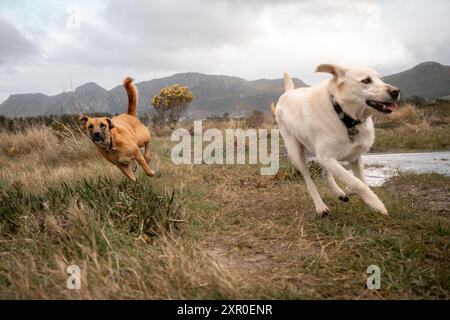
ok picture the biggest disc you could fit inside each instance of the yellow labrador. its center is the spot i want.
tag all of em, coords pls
(333, 121)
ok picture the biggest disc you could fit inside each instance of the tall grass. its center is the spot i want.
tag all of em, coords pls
(209, 231)
(39, 156)
(136, 207)
(26, 141)
(410, 128)
(116, 260)
(62, 204)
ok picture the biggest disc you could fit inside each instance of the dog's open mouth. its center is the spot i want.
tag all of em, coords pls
(98, 139)
(385, 107)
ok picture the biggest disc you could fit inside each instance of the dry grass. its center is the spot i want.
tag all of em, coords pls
(40, 152)
(195, 232)
(113, 264)
(411, 128)
(265, 121)
(57, 209)
(27, 141)
(407, 115)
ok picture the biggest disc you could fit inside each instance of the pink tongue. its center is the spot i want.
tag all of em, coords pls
(392, 106)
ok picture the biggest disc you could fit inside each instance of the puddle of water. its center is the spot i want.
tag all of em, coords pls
(380, 167)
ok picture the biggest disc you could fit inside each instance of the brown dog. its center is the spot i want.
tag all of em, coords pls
(120, 138)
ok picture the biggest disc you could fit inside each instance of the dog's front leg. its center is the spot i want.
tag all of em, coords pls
(357, 167)
(126, 169)
(147, 152)
(141, 160)
(337, 170)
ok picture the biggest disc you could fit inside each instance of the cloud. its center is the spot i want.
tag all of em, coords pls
(218, 36)
(15, 47)
(252, 39)
(161, 35)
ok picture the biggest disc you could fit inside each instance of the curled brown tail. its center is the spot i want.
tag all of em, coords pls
(132, 95)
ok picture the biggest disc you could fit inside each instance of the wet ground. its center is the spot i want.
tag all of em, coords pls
(381, 167)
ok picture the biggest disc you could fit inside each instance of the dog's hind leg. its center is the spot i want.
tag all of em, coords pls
(142, 161)
(335, 188)
(296, 153)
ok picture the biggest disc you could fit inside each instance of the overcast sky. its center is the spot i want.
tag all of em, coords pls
(50, 46)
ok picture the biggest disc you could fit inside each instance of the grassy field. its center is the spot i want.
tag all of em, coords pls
(412, 128)
(195, 232)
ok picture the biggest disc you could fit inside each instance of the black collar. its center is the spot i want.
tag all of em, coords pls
(348, 121)
(110, 146)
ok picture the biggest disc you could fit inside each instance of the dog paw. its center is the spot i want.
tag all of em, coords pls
(384, 212)
(323, 211)
(374, 202)
(344, 198)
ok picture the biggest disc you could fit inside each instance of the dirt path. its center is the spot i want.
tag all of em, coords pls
(433, 197)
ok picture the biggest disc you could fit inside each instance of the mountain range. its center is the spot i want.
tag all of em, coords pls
(430, 80)
(214, 94)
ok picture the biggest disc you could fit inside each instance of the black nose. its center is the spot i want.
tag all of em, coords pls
(96, 136)
(394, 92)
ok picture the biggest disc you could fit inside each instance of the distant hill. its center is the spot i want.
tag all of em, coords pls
(214, 95)
(430, 80)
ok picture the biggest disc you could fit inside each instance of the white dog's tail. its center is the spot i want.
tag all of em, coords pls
(288, 83)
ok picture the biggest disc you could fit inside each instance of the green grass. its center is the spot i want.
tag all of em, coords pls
(211, 232)
(414, 128)
(434, 138)
(276, 238)
(135, 207)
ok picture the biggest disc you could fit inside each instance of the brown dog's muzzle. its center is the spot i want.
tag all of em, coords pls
(97, 137)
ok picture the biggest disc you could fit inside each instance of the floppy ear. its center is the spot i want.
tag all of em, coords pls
(83, 120)
(111, 125)
(337, 71)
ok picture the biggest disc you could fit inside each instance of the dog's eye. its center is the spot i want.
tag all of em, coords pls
(367, 81)
(102, 125)
(91, 126)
